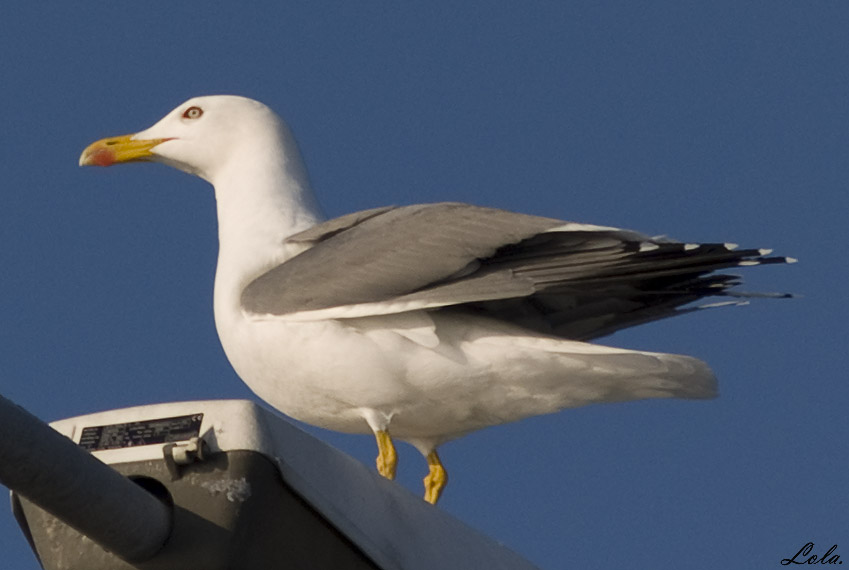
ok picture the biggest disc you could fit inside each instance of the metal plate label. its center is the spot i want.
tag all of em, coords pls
(147, 432)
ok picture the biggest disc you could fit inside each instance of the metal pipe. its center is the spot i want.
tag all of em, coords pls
(50, 470)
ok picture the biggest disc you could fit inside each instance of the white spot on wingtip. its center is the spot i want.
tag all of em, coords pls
(648, 246)
(791, 260)
(723, 304)
(764, 251)
(691, 246)
(731, 246)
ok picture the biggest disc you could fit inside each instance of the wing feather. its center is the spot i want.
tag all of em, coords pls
(568, 280)
(388, 254)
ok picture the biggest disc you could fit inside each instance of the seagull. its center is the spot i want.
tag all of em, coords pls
(422, 323)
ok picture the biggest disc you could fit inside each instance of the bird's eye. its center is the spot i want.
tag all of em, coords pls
(193, 113)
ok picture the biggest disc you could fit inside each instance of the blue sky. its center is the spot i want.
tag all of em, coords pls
(720, 121)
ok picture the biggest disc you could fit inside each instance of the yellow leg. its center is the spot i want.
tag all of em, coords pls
(387, 459)
(436, 480)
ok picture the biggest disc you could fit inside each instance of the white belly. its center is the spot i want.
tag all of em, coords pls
(437, 377)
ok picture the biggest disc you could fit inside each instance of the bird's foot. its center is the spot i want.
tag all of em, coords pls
(387, 459)
(436, 479)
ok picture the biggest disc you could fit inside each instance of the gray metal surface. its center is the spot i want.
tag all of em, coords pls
(49, 470)
(231, 511)
(251, 491)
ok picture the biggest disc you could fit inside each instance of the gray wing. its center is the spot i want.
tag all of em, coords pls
(385, 254)
(591, 284)
(332, 227)
(550, 276)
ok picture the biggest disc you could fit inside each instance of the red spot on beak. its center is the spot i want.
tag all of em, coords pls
(102, 157)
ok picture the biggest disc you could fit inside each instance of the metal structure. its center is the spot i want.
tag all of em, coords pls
(216, 484)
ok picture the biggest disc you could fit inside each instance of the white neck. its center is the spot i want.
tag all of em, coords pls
(263, 196)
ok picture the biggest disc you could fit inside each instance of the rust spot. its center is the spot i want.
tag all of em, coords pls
(102, 157)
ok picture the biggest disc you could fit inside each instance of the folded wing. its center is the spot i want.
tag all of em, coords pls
(569, 280)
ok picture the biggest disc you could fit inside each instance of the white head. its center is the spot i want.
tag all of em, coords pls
(205, 136)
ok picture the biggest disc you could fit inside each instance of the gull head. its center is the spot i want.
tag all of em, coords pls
(203, 136)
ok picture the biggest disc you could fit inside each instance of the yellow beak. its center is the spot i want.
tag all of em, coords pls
(107, 152)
